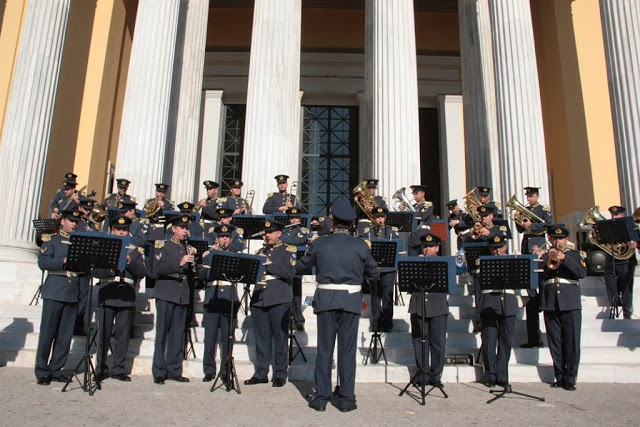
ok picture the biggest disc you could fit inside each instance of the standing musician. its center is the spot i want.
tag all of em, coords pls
(68, 177)
(139, 228)
(622, 280)
(218, 295)
(280, 201)
(60, 293)
(235, 202)
(172, 260)
(425, 217)
(533, 237)
(85, 206)
(212, 202)
(460, 221)
(382, 304)
(342, 263)
(296, 235)
(498, 314)
(560, 302)
(379, 201)
(434, 323)
(484, 197)
(226, 218)
(117, 298)
(270, 306)
(68, 202)
(159, 203)
(120, 196)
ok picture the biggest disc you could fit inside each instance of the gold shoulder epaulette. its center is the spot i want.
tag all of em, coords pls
(320, 218)
(291, 248)
(503, 228)
(222, 200)
(133, 199)
(368, 243)
(211, 229)
(546, 208)
(144, 221)
(205, 254)
(141, 250)
(269, 195)
(304, 230)
(159, 244)
(384, 198)
(394, 229)
(45, 237)
(240, 231)
(366, 230)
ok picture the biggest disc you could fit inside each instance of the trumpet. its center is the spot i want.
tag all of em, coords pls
(476, 231)
(553, 263)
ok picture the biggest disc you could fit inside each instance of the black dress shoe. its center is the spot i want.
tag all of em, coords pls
(254, 380)
(208, 378)
(532, 345)
(438, 384)
(300, 326)
(347, 408)
(179, 379)
(501, 383)
(121, 377)
(61, 378)
(569, 386)
(558, 384)
(317, 407)
(44, 380)
(101, 377)
(279, 382)
(158, 380)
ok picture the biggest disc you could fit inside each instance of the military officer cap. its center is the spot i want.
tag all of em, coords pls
(236, 183)
(487, 209)
(484, 191)
(122, 182)
(294, 212)
(530, 191)
(379, 211)
(224, 212)
(186, 207)
(430, 239)
(452, 203)
(181, 220)
(273, 226)
(558, 230)
(68, 184)
(162, 187)
(498, 241)
(416, 188)
(343, 211)
(86, 202)
(125, 205)
(208, 184)
(120, 221)
(372, 183)
(281, 178)
(70, 176)
(224, 230)
(71, 214)
(617, 210)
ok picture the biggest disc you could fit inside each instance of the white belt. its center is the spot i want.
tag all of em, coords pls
(218, 283)
(269, 277)
(364, 220)
(118, 279)
(64, 273)
(495, 291)
(560, 281)
(352, 289)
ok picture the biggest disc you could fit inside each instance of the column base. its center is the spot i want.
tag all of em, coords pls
(19, 272)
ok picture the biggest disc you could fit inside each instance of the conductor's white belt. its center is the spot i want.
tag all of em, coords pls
(63, 273)
(270, 277)
(118, 279)
(495, 291)
(560, 281)
(352, 289)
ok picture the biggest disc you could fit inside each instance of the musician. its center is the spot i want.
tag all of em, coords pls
(160, 202)
(195, 229)
(296, 235)
(379, 201)
(498, 313)
(434, 321)
(70, 200)
(342, 263)
(280, 201)
(68, 177)
(212, 202)
(120, 196)
(460, 221)
(484, 197)
(382, 296)
(533, 237)
(117, 298)
(270, 306)
(226, 218)
(139, 228)
(320, 225)
(560, 302)
(425, 217)
(60, 293)
(171, 261)
(218, 297)
(621, 283)
(235, 202)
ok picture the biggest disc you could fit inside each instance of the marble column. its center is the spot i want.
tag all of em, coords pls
(478, 92)
(522, 157)
(187, 83)
(26, 133)
(213, 123)
(272, 127)
(145, 115)
(391, 88)
(621, 30)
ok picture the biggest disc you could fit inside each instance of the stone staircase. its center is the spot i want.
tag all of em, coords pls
(608, 346)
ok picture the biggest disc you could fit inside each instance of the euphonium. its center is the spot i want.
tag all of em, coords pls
(621, 251)
(401, 202)
(97, 215)
(471, 204)
(365, 200)
(151, 207)
(518, 212)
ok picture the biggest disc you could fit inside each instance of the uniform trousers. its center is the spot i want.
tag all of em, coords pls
(534, 335)
(344, 324)
(563, 336)
(622, 283)
(56, 328)
(382, 301)
(271, 325)
(122, 317)
(297, 300)
(168, 353)
(435, 335)
(496, 345)
(214, 320)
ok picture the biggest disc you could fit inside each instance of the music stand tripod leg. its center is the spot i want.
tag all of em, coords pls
(228, 365)
(293, 340)
(373, 353)
(36, 295)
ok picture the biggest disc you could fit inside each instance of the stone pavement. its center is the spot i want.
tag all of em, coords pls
(141, 402)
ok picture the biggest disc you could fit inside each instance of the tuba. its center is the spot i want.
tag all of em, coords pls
(401, 202)
(621, 251)
(471, 204)
(364, 200)
(518, 212)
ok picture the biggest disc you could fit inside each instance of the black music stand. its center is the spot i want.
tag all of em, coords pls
(42, 226)
(384, 254)
(252, 226)
(402, 220)
(508, 272)
(305, 219)
(426, 274)
(90, 250)
(233, 268)
(612, 232)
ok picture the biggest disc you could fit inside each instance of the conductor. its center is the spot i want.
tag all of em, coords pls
(342, 263)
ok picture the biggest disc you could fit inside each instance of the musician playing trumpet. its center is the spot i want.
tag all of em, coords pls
(280, 201)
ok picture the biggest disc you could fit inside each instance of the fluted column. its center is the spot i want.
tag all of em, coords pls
(391, 85)
(26, 135)
(143, 133)
(522, 157)
(188, 77)
(213, 123)
(272, 128)
(478, 91)
(621, 30)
